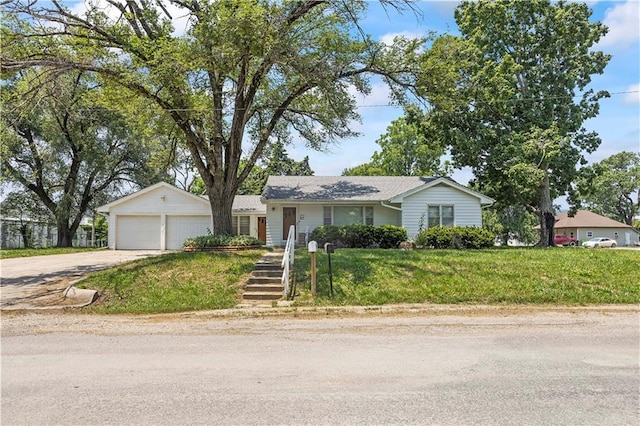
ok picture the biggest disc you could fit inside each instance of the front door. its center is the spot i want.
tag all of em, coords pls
(262, 228)
(288, 219)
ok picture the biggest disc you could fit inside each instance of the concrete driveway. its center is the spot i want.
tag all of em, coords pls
(29, 282)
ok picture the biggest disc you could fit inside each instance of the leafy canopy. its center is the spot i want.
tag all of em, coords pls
(512, 95)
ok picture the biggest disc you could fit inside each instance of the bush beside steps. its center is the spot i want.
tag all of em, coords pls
(221, 242)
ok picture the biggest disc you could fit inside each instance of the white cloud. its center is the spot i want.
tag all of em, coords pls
(623, 23)
(388, 38)
(633, 95)
(379, 95)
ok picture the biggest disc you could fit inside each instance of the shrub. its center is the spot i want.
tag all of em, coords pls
(359, 236)
(220, 240)
(455, 237)
(390, 236)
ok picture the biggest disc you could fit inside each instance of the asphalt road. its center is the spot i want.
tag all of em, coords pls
(491, 366)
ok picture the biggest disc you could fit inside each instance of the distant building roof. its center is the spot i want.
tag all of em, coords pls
(587, 219)
(340, 188)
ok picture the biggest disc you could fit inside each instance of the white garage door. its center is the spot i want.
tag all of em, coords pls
(179, 228)
(138, 233)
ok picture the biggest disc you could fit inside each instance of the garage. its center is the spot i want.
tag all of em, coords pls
(138, 233)
(162, 217)
(179, 228)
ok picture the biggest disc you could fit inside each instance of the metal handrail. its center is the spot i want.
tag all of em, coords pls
(288, 258)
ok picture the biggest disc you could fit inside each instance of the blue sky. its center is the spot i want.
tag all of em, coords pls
(618, 123)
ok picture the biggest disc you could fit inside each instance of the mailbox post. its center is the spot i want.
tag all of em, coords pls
(312, 247)
(328, 248)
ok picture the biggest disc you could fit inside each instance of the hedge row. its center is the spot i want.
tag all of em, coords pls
(359, 236)
(221, 240)
(455, 237)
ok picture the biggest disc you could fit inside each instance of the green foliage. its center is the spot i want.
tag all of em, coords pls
(278, 163)
(406, 149)
(608, 187)
(456, 237)
(359, 236)
(500, 276)
(505, 96)
(61, 143)
(221, 240)
(245, 73)
(510, 223)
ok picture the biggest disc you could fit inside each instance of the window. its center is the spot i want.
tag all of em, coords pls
(241, 225)
(589, 234)
(440, 216)
(326, 216)
(347, 215)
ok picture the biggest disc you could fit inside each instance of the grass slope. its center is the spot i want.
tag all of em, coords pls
(173, 283)
(493, 276)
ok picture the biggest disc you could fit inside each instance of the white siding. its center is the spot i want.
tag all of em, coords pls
(310, 216)
(467, 211)
(386, 216)
(179, 228)
(609, 233)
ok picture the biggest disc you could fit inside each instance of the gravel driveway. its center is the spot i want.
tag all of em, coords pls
(25, 281)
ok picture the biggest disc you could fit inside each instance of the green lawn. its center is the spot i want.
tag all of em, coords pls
(199, 281)
(562, 276)
(12, 253)
(172, 283)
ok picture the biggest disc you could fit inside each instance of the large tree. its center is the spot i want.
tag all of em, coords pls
(244, 72)
(511, 95)
(58, 142)
(407, 148)
(610, 186)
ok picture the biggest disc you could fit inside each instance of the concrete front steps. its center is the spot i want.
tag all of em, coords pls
(264, 285)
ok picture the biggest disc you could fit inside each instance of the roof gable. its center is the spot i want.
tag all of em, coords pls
(142, 192)
(340, 188)
(484, 200)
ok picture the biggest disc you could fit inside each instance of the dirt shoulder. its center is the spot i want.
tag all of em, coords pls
(253, 320)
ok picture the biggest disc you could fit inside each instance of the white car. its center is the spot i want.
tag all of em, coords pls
(599, 242)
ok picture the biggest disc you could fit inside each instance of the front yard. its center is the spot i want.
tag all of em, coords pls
(492, 276)
(199, 281)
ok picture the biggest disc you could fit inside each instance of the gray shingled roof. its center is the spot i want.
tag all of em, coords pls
(248, 203)
(340, 188)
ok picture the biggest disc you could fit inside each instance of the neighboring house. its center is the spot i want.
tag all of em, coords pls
(410, 201)
(162, 217)
(586, 225)
(41, 233)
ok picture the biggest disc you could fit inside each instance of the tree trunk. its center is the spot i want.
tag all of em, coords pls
(221, 202)
(65, 238)
(26, 235)
(546, 215)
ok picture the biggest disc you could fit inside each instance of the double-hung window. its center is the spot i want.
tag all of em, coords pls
(241, 225)
(347, 215)
(440, 215)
